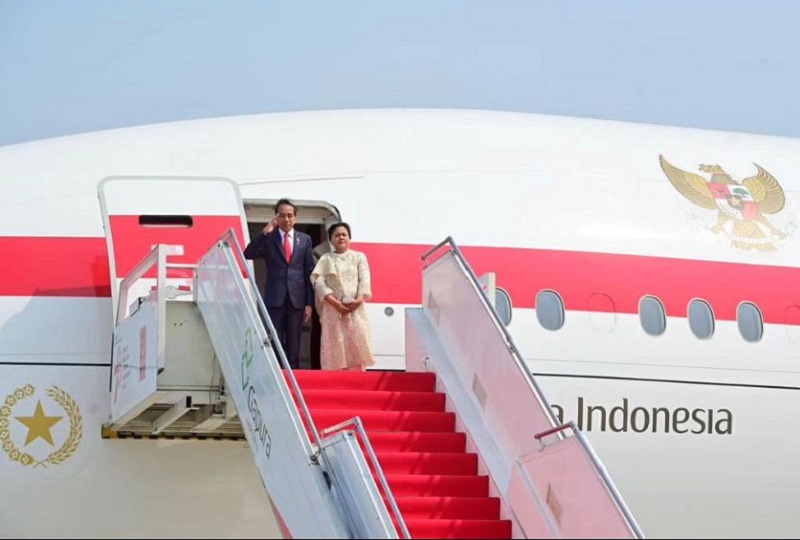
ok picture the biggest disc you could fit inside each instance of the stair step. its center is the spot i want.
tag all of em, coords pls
(431, 485)
(413, 441)
(458, 528)
(398, 381)
(433, 479)
(428, 463)
(388, 420)
(383, 400)
(416, 441)
(449, 507)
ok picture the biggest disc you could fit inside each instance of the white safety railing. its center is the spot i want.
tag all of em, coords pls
(135, 362)
(508, 415)
(330, 433)
(251, 358)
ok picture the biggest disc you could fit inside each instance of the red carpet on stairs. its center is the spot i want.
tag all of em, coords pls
(434, 480)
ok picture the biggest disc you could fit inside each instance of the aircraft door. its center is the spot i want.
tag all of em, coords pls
(186, 213)
(313, 218)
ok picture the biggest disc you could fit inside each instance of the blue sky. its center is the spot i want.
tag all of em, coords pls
(70, 66)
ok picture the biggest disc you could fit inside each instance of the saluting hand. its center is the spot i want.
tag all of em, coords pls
(271, 225)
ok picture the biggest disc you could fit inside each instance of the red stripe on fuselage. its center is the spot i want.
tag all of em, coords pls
(54, 266)
(576, 276)
(78, 267)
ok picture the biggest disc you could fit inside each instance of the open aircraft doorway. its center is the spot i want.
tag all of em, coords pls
(313, 219)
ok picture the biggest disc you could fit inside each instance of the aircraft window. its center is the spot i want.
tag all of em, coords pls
(701, 319)
(502, 304)
(751, 325)
(652, 316)
(550, 310)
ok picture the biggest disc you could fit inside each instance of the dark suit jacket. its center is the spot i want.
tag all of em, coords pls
(285, 278)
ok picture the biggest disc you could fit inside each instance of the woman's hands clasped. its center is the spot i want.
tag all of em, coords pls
(343, 308)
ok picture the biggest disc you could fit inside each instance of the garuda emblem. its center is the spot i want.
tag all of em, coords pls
(741, 208)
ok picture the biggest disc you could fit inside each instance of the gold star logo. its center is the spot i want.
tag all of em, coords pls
(39, 425)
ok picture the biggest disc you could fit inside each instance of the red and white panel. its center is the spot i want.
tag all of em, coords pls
(186, 213)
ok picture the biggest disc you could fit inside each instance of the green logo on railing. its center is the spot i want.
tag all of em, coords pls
(247, 358)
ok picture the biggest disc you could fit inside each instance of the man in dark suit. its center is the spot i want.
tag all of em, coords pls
(288, 293)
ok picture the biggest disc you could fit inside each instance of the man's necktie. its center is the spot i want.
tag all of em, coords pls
(287, 247)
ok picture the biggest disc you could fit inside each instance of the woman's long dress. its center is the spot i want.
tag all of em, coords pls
(346, 339)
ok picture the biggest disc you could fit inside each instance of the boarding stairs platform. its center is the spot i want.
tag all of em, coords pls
(463, 444)
(447, 449)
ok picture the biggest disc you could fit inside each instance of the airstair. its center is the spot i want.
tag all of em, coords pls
(551, 482)
(461, 445)
(226, 372)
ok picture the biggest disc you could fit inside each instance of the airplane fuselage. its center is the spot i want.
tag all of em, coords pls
(579, 220)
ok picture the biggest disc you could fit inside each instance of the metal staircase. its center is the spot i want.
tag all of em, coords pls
(551, 482)
(199, 361)
(184, 365)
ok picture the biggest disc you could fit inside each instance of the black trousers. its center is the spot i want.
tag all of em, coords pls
(288, 322)
(316, 341)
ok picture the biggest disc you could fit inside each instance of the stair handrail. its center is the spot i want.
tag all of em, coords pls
(556, 429)
(157, 257)
(356, 421)
(230, 239)
(599, 467)
(489, 307)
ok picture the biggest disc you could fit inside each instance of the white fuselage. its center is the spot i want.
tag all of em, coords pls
(691, 430)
